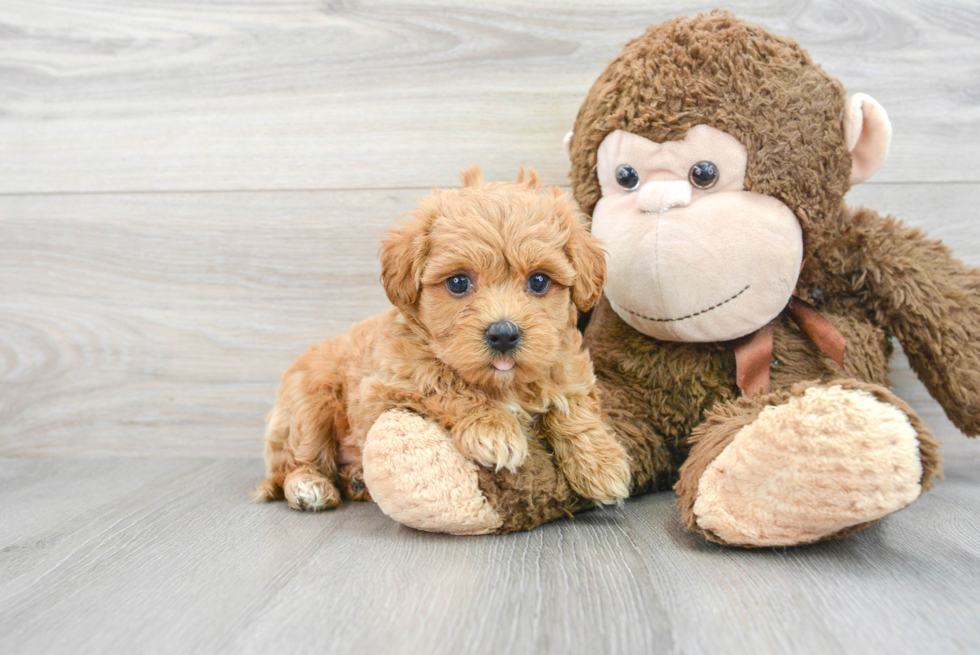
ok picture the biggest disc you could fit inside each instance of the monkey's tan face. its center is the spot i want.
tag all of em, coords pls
(692, 255)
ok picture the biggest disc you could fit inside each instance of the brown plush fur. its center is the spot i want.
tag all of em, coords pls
(872, 277)
(429, 353)
(716, 70)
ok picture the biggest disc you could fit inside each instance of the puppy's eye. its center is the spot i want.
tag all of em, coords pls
(458, 284)
(703, 175)
(627, 177)
(538, 283)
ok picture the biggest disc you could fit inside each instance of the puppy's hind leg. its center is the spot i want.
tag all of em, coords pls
(309, 489)
(299, 468)
(304, 429)
(314, 444)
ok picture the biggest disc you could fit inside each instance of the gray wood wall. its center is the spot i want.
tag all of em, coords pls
(191, 193)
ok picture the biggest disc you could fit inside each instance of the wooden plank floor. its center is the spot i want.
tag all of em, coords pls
(172, 557)
(191, 193)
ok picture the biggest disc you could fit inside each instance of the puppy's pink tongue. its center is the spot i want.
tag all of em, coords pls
(503, 364)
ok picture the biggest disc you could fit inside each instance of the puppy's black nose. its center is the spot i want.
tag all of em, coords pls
(503, 336)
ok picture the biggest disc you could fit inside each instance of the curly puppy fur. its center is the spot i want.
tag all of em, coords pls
(430, 353)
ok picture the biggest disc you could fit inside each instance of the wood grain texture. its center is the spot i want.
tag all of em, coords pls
(123, 315)
(99, 95)
(176, 558)
(159, 324)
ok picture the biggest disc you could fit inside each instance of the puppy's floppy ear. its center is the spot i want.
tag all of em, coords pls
(589, 261)
(402, 253)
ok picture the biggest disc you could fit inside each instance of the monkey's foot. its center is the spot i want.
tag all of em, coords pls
(792, 468)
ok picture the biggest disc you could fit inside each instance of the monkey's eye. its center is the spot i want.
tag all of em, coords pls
(627, 177)
(458, 284)
(703, 174)
(538, 283)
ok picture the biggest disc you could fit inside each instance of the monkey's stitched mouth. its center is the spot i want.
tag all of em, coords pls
(681, 318)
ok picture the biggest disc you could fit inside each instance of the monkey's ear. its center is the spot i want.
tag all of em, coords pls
(867, 133)
(589, 261)
(472, 176)
(568, 145)
(402, 253)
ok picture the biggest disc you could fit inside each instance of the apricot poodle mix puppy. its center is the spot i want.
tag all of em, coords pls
(485, 281)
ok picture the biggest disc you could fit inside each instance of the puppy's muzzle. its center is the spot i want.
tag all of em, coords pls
(502, 336)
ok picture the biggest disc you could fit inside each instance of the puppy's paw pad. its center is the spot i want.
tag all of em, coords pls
(352, 483)
(311, 493)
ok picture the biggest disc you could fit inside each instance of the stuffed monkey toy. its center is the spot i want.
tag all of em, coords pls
(742, 345)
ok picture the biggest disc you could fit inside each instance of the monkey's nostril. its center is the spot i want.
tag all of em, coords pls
(503, 336)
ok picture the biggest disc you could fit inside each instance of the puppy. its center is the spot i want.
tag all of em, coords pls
(486, 282)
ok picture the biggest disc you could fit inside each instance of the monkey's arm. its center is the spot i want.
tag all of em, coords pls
(929, 301)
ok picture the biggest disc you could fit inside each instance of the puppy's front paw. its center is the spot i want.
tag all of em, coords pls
(599, 471)
(492, 442)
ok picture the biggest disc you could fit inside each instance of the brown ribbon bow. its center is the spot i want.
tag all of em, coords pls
(753, 354)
